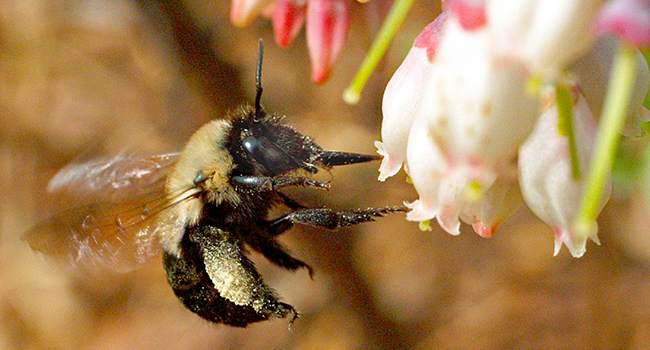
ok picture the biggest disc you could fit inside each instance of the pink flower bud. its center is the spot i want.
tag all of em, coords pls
(288, 18)
(545, 173)
(327, 29)
(627, 19)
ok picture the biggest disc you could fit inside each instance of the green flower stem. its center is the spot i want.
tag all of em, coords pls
(619, 92)
(646, 55)
(565, 125)
(397, 15)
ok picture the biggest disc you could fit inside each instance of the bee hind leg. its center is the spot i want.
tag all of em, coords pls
(277, 254)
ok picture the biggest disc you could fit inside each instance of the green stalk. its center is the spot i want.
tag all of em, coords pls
(565, 126)
(646, 55)
(619, 92)
(395, 18)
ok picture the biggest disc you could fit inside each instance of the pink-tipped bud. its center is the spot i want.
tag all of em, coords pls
(327, 28)
(288, 18)
(243, 12)
(627, 19)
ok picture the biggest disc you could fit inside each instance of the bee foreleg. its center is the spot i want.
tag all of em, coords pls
(264, 183)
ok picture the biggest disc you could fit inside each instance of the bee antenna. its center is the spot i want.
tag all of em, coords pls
(258, 82)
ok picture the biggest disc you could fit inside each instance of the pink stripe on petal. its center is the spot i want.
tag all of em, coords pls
(471, 14)
(431, 35)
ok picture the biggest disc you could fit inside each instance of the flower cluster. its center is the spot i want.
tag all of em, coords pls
(327, 23)
(493, 106)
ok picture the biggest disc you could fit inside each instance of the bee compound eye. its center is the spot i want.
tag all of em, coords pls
(250, 144)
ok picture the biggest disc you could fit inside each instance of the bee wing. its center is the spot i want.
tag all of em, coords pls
(112, 179)
(121, 207)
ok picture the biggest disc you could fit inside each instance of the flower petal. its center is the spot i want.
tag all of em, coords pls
(485, 112)
(404, 94)
(402, 99)
(498, 204)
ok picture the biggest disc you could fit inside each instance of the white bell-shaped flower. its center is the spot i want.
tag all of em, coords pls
(468, 129)
(404, 94)
(547, 181)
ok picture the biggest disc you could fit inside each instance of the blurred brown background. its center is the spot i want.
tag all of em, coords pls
(96, 77)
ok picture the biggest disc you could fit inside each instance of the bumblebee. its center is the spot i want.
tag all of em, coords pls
(203, 207)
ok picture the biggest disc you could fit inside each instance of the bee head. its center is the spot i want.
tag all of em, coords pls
(262, 145)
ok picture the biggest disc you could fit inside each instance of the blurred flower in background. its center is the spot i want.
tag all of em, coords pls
(492, 88)
(327, 24)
